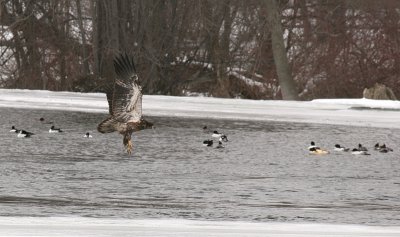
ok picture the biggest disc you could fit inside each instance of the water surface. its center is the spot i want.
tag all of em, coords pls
(264, 173)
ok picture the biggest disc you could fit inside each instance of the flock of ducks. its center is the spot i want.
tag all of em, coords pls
(215, 134)
(313, 149)
(360, 150)
(53, 129)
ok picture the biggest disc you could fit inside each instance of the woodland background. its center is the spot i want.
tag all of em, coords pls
(252, 49)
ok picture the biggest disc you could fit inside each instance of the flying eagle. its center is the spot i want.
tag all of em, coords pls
(125, 103)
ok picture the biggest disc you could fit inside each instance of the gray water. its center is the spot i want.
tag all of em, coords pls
(263, 174)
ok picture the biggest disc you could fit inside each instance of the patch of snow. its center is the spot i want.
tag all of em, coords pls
(6, 34)
(231, 71)
(247, 80)
(327, 111)
(184, 59)
(80, 226)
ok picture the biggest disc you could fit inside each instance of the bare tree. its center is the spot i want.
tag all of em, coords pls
(228, 48)
(286, 82)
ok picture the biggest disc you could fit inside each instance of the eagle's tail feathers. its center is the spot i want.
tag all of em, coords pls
(108, 125)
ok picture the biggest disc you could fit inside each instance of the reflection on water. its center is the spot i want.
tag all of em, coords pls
(263, 174)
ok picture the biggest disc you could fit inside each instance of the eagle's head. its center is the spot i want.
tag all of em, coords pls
(144, 124)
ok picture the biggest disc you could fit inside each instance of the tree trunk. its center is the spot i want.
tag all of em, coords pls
(286, 82)
(82, 30)
(97, 20)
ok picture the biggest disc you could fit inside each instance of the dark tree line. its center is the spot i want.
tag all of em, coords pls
(260, 49)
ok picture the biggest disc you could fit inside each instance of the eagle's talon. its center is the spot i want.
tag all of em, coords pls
(129, 147)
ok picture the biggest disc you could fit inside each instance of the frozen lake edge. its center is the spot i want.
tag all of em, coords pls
(80, 226)
(385, 114)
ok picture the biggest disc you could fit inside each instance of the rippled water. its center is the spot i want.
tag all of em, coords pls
(263, 174)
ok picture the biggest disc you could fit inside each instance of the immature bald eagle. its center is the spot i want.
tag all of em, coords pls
(125, 103)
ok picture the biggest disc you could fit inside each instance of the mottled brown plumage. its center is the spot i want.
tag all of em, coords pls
(125, 103)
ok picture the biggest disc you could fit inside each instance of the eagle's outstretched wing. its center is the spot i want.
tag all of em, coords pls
(127, 95)
(125, 99)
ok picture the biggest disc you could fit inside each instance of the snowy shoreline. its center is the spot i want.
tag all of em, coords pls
(82, 226)
(371, 113)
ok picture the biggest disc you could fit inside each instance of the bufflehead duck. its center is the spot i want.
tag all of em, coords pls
(220, 145)
(355, 151)
(23, 133)
(13, 129)
(208, 142)
(361, 148)
(87, 135)
(340, 148)
(318, 151)
(55, 130)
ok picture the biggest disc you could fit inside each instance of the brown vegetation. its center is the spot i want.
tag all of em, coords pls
(335, 48)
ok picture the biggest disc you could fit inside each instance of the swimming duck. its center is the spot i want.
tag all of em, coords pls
(55, 130)
(87, 135)
(216, 134)
(384, 149)
(205, 129)
(356, 151)
(317, 151)
(23, 133)
(340, 148)
(208, 142)
(13, 129)
(361, 148)
(224, 138)
(312, 145)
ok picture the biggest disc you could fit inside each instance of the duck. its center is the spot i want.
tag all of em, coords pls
(312, 145)
(13, 129)
(54, 130)
(361, 148)
(224, 138)
(356, 151)
(216, 134)
(318, 151)
(23, 133)
(208, 142)
(87, 135)
(340, 148)
(384, 149)
(205, 129)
